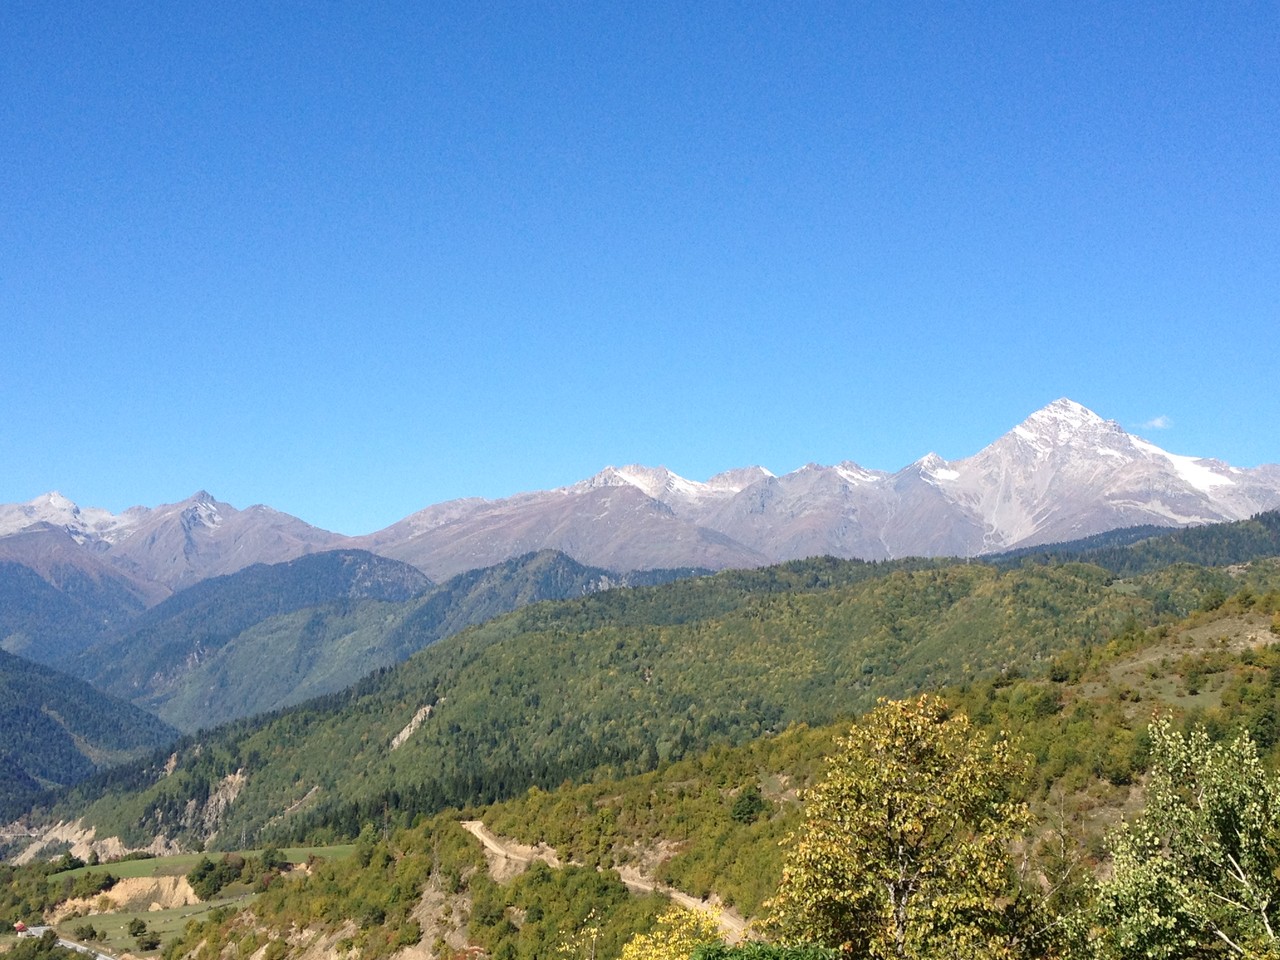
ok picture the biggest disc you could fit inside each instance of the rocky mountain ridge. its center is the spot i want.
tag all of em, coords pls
(1061, 474)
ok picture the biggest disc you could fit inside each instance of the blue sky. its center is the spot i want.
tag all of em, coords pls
(350, 262)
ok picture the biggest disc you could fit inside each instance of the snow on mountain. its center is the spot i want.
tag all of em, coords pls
(850, 472)
(1063, 472)
(173, 545)
(56, 510)
(1202, 474)
(181, 543)
(656, 482)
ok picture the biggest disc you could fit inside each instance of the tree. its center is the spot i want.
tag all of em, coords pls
(676, 935)
(748, 805)
(1197, 873)
(905, 847)
(149, 940)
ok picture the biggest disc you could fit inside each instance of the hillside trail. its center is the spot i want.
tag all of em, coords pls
(731, 923)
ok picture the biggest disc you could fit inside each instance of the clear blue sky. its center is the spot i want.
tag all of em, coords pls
(353, 259)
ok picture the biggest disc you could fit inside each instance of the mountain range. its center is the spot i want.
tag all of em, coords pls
(1062, 474)
(263, 638)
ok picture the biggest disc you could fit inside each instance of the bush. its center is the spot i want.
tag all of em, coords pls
(149, 941)
(748, 805)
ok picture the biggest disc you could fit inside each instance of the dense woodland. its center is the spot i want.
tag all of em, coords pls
(56, 730)
(275, 635)
(626, 680)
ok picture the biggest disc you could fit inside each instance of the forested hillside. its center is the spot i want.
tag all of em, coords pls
(626, 680)
(50, 618)
(272, 636)
(56, 730)
(1142, 549)
(198, 622)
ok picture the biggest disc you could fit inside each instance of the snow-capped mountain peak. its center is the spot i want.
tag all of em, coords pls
(58, 511)
(1064, 422)
(203, 510)
(1063, 472)
(670, 488)
(652, 481)
(854, 474)
(735, 481)
(933, 467)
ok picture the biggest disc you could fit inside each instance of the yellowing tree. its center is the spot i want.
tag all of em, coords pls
(905, 847)
(677, 934)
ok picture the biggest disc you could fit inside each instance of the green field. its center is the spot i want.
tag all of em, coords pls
(113, 928)
(182, 864)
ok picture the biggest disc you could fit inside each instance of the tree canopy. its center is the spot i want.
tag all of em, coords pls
(904, 848)
(1197, 874)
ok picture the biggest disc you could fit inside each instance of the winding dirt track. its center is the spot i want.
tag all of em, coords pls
(733, 925)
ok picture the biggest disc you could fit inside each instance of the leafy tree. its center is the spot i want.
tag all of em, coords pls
(904, 850)
(43, 947)
(137, 927)
(676, 935)
(748, 805)
(1197, 874)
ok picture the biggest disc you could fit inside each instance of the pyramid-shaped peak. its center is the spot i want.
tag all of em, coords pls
(1066, 425)
(53, 500)
(1065, 411)
(931, 461)
(655, 482)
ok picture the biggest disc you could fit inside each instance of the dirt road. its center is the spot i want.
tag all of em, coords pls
(733, 925)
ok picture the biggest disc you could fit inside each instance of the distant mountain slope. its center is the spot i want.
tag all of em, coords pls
(56, 598)
(56, 730)
(1061, 474)
(1135, 550)
(174, 545)
(166, 642)
(180, 544)
(272, 636)
(609, 525)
